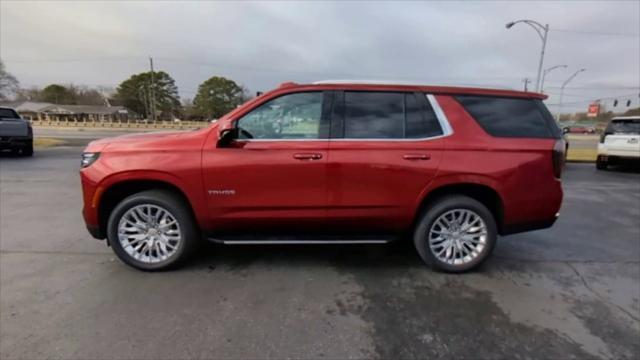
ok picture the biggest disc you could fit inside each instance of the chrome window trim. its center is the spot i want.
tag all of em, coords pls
(447, 130)
(442, 118)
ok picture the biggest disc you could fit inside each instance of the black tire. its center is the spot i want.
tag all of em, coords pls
(28, 151)
(431, 214)
(601, 164)
(190, 235)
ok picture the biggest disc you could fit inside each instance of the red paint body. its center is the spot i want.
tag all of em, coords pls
(372, 185)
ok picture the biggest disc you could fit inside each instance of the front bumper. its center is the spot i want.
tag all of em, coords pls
(95, 232)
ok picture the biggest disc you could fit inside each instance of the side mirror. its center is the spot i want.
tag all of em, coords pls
(227, 136)
(565, 130)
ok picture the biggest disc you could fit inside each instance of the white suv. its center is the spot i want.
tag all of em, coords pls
(620, 142)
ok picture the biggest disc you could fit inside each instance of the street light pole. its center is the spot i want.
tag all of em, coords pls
(542, 31)
(546, 71)
(562, 92)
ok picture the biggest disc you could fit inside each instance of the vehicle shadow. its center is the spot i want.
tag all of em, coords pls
(237, 257)
(8, 154)
(626, 168)
(399, 255)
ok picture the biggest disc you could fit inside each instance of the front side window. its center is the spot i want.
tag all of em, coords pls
(293, 116)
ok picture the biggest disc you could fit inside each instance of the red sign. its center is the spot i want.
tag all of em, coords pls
(594, 110)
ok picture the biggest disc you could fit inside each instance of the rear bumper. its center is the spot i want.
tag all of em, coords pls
(630, 152)
(615, 159)
(529, 226)
(14, 142)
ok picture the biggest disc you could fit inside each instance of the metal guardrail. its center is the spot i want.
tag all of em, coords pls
(123, 124)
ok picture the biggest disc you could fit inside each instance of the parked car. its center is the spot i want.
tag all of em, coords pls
(578, 129)
(620, 142)
(16, 134)
(334, 162)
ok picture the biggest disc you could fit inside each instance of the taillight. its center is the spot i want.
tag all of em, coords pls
(559, 156)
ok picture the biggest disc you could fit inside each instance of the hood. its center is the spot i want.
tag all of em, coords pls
(141, 141)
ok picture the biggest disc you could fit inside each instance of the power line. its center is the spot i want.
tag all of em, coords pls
(596, 32)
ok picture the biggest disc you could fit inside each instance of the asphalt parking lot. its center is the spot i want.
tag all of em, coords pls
(572, 291)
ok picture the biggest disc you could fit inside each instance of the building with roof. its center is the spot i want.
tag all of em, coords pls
(31, 110)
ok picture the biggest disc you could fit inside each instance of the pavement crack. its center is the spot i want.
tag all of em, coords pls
(598, 295)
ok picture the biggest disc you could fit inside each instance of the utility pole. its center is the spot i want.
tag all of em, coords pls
(526, 82)
(152, 95)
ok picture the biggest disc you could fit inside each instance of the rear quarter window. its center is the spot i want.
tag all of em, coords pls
(511, 117)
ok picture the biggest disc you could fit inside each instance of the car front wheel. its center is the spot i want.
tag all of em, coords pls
(152, 230)
(455, 234)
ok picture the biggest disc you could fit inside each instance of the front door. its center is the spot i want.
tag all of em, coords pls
(273, 178)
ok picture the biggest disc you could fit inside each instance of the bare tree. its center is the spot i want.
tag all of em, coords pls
(8, 83)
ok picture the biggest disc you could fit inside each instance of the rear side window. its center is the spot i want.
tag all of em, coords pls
(370, 115)
(387, 115)
(511, 117)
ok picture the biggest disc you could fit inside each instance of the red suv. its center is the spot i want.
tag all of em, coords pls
(334, 162)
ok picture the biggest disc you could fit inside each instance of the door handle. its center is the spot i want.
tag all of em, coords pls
(416, 157)
(307, 156)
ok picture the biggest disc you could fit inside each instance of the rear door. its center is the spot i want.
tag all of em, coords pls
(385, 149)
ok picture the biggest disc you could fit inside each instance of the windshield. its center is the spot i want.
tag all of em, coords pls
(8, 114)
(631, 126)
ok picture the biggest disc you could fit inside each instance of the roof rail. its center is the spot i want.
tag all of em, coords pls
(365, 82)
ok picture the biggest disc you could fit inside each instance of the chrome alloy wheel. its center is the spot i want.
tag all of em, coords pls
(149, 233)
(458, 236)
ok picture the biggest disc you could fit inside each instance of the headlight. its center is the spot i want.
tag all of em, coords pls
(89, 158)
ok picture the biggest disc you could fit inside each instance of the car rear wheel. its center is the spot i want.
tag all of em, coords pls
(152, 230)
(601, 164)
(28, 150)
(455, 234)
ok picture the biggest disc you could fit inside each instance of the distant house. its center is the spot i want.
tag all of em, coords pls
(31, 110)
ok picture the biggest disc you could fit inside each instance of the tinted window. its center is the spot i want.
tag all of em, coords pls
(626, 126)
(421, 121)
(380, 115)
(508, 117)
(8, 114)
(294, 116)
(374, 115)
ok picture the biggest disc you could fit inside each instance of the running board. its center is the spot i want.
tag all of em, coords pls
(297, 242)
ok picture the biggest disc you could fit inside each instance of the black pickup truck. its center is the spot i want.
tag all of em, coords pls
(15, 133)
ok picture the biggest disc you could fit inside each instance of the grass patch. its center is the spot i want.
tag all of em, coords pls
(582, 154)
(47, 142)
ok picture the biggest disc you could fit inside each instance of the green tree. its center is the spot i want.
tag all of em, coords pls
(8, 83)
(58, 94)
(136, 92)
(217, 96)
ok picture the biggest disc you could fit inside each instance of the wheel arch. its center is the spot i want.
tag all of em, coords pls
(112, 195)
(485, 194)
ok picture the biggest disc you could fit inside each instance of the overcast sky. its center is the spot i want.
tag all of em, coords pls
(261, 44)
